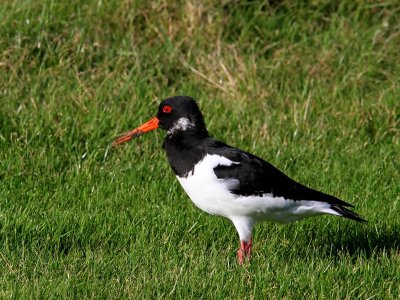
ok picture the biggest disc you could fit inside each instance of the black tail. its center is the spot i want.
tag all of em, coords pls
(347, 213)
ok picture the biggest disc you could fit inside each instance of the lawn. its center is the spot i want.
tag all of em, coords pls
(311, 87)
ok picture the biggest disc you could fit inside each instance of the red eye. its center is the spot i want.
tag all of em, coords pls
(167, 109)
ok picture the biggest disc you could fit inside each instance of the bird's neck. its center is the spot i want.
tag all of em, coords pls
(185, 149)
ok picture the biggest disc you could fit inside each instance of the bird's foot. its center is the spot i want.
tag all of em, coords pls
(244, 251)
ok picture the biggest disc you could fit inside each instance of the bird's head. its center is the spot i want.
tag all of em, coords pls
(175, 114)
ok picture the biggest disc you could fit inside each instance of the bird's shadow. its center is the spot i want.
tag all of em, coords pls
(369, 240)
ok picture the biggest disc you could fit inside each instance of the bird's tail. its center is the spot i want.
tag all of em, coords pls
(347, 213)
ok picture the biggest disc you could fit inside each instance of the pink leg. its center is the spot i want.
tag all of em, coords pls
(244, 251)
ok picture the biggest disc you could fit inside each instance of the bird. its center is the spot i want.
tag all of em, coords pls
(225, 181)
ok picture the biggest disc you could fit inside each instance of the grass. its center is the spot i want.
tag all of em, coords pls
(311, 87)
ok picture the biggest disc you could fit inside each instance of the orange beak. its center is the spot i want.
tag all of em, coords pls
(148, 126)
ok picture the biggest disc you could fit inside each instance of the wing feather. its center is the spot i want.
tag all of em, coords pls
(258, 177)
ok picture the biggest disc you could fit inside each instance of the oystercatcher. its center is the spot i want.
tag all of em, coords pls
(226, 181)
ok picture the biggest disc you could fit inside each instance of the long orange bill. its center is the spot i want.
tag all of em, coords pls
(148, 126)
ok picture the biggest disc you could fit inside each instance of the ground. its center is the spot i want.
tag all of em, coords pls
(313, 88)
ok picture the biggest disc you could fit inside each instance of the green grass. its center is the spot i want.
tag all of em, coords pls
(312, 88)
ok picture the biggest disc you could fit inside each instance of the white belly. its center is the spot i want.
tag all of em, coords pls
(212, 195)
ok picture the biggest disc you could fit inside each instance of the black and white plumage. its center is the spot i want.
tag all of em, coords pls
(226, 181)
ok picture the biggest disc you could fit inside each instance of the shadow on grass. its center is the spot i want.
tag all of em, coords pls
(369, 240)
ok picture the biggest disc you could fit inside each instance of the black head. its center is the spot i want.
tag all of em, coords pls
(176, 115)
(180, 113)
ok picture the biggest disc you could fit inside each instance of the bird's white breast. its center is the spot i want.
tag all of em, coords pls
(204, 188)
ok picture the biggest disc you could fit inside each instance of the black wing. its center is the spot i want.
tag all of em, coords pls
(257, 177)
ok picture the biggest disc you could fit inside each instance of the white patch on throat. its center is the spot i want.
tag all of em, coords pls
(181, 124)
